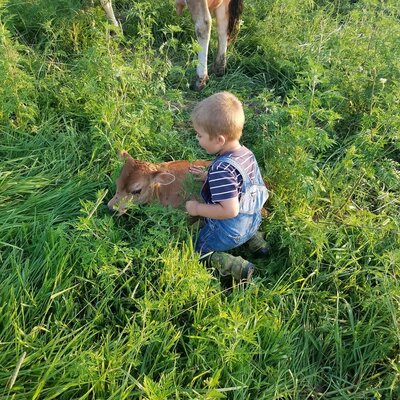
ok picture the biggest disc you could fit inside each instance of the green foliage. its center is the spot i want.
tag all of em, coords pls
(18, 107)
(95, 306)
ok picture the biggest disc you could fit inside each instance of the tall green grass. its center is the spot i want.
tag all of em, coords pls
(93, 306)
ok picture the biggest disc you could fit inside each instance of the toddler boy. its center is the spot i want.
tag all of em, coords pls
(233, 189)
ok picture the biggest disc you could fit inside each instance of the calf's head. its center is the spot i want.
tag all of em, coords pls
(136, 183)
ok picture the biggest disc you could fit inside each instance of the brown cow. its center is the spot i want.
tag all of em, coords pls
(142, 182)
(227, 14)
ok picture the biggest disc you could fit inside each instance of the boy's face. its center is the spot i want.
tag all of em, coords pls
(210, 145)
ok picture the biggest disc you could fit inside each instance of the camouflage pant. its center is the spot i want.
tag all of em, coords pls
(229, 265)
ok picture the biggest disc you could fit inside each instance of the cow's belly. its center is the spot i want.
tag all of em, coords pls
(213, 4)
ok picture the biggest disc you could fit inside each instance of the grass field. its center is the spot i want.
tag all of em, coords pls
(98, 307)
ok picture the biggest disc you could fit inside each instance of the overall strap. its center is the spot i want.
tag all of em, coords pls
(235, 164)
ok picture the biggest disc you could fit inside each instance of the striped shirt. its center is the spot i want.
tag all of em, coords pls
(224, 181)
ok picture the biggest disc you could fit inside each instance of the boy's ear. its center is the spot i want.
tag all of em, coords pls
(221, 139)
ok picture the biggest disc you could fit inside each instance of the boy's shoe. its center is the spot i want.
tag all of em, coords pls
(227, 265)
(247, 273)
(258, 246)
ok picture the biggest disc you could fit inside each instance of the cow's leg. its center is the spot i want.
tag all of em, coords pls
(222, 17)
(179, 6)
(106, 4)
(202, 21)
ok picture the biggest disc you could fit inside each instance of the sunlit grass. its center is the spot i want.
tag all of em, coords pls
(93, 306)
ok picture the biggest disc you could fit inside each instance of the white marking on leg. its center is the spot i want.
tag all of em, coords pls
(106, 4)
(203, 31)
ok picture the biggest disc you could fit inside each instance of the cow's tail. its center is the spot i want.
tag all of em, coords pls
(235, 11)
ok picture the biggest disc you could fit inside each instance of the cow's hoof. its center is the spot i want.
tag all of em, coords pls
(219, 69)
(199, 83)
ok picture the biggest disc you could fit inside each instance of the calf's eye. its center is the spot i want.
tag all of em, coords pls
(136, 191)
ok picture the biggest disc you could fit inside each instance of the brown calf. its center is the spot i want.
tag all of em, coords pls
(143, 182)
(227, 14)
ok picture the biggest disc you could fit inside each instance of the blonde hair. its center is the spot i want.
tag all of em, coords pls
(220, 114)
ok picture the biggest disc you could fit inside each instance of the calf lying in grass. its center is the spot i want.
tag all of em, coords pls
(142, 182)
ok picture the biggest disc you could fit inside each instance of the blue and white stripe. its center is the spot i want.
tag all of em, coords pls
(224, 180)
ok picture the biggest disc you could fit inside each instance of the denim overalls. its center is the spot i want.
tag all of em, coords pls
(226, 234)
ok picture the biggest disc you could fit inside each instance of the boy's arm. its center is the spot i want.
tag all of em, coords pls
(223, 210)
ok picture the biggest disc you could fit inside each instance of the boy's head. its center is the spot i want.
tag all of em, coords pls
(220, 114)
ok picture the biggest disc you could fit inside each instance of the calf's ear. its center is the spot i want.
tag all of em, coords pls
(163, 178)
(123, 155)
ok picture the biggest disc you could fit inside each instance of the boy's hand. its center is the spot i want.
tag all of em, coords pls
(191, 207)
(199, 172)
